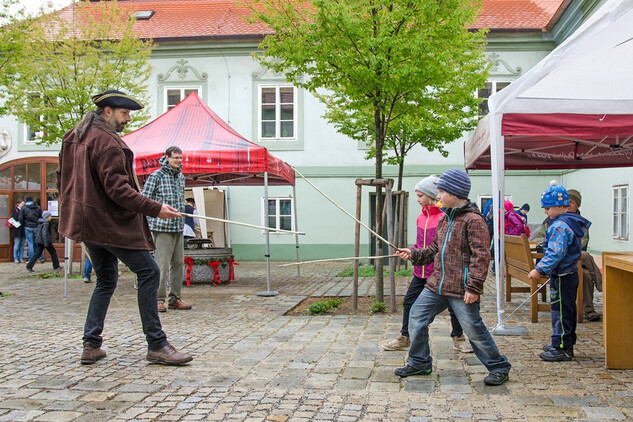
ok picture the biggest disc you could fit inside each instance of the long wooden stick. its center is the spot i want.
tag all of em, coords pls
(350, 258)
(239, 223)
(345, 211)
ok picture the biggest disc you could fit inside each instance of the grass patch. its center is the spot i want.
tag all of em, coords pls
(369, 271)
(378, 307)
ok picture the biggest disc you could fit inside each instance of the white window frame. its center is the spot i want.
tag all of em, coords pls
(620, 214)
(277, 200)
(182, 88)
(493, 90)
(295, 110)
(27, 129)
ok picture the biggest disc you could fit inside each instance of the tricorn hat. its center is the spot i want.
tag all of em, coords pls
(116, 99)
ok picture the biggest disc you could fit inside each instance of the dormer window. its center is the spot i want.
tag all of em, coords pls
(143, 15)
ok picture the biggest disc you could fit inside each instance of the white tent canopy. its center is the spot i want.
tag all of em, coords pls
(572, 110)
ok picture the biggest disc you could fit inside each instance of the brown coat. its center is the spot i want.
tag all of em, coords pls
(460, 251)
(99, 199)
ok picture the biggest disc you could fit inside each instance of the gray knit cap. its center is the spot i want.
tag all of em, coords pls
(456, 182)
(428, 186)
(46, 214)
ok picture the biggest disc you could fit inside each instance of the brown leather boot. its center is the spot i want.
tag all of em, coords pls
(91, 354)
(179, 304)
(168, 355)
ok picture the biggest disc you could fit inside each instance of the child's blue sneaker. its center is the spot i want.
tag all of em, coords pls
(558, 355)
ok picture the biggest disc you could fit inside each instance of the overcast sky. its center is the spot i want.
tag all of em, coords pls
(35, 5)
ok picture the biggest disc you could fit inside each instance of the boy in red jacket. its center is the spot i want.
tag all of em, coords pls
(461, 253)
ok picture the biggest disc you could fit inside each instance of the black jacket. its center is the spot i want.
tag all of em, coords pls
(30, 214)
(16, 231)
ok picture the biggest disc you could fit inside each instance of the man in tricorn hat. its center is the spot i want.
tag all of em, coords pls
(101, 205)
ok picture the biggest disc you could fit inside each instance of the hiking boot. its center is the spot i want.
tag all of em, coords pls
(550, 348)
(168, 355)
(161, 307)
(409, 370)
(496, 378)
(400, 343)
(179, 304)
(461, 345)
(91, 354)
(558, 355)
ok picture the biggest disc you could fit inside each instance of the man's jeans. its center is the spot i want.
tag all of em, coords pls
(423, 312)
(29, 232)
(18, 248)
(106, 266)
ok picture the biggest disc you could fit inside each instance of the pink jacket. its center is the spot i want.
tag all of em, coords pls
(513, 224)
(427, 225)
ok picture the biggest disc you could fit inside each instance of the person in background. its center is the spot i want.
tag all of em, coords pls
(17, 233)
(523, 211)
(167, 185)
(562, 251)
(461, 253)
(514, 225)
(29, 216)
(426, 192)
(103, 191)
(44, 240)
(189, 231)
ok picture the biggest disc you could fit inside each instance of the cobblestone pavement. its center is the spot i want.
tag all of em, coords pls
(252, 363)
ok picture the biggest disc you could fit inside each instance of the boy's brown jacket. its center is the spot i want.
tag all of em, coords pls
(461, 250)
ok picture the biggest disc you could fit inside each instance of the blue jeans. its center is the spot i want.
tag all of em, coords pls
(88, 268)
(415, 288)
(29, 232)
(106, 266)
(423, 312)
(18, 248)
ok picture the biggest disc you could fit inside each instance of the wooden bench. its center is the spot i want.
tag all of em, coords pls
(519, 261)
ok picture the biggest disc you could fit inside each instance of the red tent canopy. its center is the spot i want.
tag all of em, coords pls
(213, 153)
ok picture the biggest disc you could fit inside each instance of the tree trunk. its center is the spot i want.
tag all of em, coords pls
(380, 142)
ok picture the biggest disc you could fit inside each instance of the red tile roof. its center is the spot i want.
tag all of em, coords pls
(195, 19)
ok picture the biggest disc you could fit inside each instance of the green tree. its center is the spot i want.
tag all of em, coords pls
(376, 62)
(64, 58)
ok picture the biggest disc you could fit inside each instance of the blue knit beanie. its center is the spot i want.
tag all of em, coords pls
(456, 182)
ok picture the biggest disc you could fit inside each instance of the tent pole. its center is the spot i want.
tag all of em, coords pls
(498, 195)
(294, 203)
(268, 292)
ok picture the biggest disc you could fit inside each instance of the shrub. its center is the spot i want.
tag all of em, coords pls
(322, 306)
(378, 307)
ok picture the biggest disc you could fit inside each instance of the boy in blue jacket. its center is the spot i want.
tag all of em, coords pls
(562, 251)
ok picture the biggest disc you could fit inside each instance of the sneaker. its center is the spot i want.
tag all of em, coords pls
(550, 348)
(162, 307)
(496, 378)
(168, 355)
(30, 269)
(179, 304)
(58, 268)
(86, 279)
(91, 354)
(461, 345)
(409, 370)
(400, 343)
(558, 355)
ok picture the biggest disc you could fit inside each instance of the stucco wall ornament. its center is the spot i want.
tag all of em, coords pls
(182, 69)
(5, 141)
(496, 60)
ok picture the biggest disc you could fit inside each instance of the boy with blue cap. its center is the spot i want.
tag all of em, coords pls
(562, 251)
(461, 254)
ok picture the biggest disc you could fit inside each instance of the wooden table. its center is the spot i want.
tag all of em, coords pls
(617, 296)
